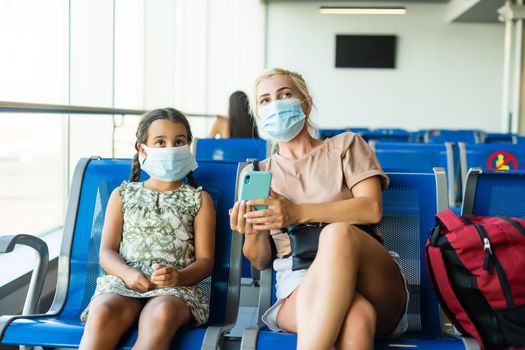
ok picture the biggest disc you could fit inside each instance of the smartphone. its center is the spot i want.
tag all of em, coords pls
(255, 185)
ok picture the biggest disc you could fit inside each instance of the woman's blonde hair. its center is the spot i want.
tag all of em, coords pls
(299, 84)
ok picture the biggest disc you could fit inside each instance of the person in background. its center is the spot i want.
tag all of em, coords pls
(239, 123)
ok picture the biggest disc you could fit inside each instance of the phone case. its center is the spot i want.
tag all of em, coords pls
(255, 185)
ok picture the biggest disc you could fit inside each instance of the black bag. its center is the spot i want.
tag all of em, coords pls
(304, 239)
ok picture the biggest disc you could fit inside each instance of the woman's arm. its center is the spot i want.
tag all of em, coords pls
(110, 259)
(364, 208)
(256, 247)
(202, 267)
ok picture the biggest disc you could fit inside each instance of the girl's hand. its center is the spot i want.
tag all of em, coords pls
(137, 280)
(281, 212)
(165, 276)
(238, 221)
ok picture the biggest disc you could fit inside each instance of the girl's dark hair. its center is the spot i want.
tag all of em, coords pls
(242, 124)
(142, 136)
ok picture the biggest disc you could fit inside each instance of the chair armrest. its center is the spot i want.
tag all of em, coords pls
(213, 336)
(249, 338)
(7, 244)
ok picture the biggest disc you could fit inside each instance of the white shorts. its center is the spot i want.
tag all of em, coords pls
(287, 281)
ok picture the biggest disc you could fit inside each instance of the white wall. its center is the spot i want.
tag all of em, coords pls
(447, 75)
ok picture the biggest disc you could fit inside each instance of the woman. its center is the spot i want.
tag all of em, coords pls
(239, 123)
(353, 289)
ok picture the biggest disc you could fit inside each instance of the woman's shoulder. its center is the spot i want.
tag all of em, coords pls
(345, 140)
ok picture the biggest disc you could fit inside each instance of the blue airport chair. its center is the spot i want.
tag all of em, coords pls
(93, 181)
(420, 157)
(359, 131)
(409, 207)
(232, 150)
(494, 193)
(442, 135)
(327, 133)
(496, 137)
(387, 135)
(492, 156)
(417, 136)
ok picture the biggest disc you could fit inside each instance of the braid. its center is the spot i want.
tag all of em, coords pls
(191, 180)
(135, 170)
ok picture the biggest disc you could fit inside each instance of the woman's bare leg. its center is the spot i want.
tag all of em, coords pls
(110, 315)
(159, 320)
(346, 257)
(359, 326)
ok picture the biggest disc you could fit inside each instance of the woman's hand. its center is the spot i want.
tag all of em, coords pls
(238, 221)
(137, 280)
(281, 212)
(165, 276)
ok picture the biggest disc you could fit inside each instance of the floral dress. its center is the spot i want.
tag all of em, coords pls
(158, 229)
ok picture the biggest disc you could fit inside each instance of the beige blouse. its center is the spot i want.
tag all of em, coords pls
(326, 174)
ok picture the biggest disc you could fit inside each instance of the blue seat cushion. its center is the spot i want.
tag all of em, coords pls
(66, 333)
(277, 340)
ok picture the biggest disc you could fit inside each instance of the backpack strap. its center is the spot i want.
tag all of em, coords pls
(450, 220)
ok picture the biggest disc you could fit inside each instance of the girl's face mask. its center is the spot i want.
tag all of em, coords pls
(168, 163)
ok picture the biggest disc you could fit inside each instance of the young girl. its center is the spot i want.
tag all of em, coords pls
(157, 243)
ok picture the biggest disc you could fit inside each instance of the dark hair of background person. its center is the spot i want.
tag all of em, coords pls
(242, 124)
(142, 136)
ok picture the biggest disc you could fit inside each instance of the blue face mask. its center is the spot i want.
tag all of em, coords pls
(282, 120)
(167, 164)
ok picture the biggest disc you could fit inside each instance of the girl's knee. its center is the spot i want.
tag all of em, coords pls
(102, 313)
(166, 314)
(106, 313)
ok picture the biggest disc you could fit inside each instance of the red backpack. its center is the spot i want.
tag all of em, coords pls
(476, 265)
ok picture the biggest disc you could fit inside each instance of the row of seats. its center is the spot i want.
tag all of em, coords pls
(410, 204)
(427, 135)
(457, 159)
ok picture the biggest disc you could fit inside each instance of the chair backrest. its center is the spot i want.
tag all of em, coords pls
(387, 135)
(96, 179)
(409, 207)
(410, 204)
(441, 136)
(496, 137)
(358, 130)
(419, 157)
(232, 150)
(494, 193)
(492, 156)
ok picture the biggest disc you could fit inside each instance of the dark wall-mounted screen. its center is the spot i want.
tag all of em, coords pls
(365, 51)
